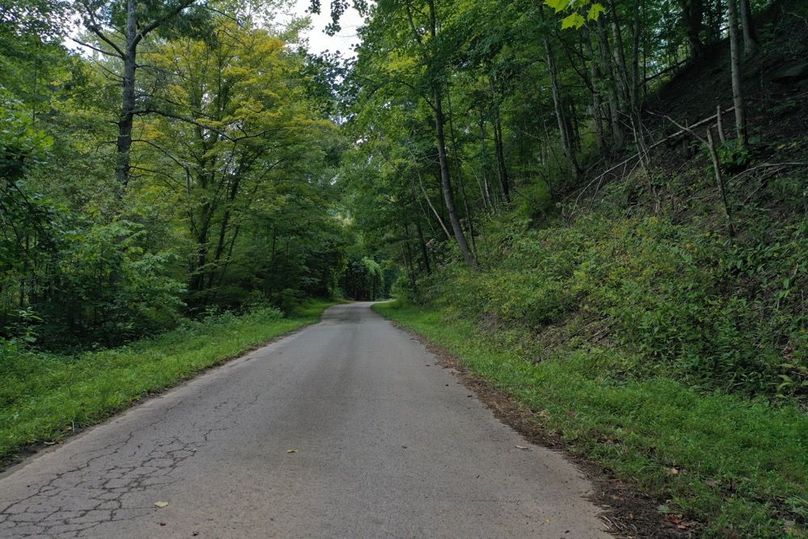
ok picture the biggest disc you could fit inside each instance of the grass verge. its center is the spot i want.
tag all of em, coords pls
(738, 467)
(45, 398)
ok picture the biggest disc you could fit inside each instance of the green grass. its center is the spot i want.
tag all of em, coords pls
(45, 397)
(741, 466)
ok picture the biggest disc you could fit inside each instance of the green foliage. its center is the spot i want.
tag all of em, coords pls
(660, 291)
(535, 201)
(362, 279)
(230, 201)
(106, 287)
(581, 11)
(733, 157)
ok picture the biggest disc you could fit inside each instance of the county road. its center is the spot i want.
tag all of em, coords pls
(345, 429)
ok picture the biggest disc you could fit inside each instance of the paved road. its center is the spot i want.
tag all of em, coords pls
(386, 445)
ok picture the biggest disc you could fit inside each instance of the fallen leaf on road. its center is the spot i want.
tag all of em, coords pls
(161, 504)
(522, 447)
(291, 450)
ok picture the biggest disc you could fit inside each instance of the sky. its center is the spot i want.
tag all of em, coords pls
(319, 41)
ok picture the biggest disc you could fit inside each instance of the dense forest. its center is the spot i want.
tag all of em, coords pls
(623, 179)
(160, 160)
(631, 172)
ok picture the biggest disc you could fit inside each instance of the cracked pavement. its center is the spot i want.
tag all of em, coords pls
(345, 429)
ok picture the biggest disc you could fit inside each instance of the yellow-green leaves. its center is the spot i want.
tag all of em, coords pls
(595, 11)
(574, 20)
(558, 5)
(579, 11)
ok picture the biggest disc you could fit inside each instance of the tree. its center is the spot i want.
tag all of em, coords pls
(420, 66)
(693, 17)
(133, 21)
(239, 126)
(735, 68)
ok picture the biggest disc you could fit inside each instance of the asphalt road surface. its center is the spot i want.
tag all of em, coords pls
(344, 429)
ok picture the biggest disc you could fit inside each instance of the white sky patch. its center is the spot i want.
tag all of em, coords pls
(319, 41)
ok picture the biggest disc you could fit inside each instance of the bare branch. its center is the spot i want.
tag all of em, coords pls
(96, 49)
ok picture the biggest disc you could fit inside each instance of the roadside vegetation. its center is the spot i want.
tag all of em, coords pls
(627, 254)
(159, 162)
(46, 397)
(719, 464)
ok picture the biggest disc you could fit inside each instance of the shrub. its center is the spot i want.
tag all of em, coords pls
(689, 303)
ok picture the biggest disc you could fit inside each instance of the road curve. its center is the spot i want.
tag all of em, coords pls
(344, 429)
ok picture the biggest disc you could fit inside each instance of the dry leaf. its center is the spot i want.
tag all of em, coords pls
(522, 447)
(291, 450)
(161, 504)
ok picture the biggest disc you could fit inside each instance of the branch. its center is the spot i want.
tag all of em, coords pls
(184, 119)
(157, 22)
(651, 147)
(94, 28)
(165, 152)
(96, 49)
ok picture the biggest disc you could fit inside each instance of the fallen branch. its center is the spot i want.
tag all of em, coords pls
(683, 130)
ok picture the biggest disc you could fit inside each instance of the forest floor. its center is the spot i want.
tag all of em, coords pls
(45, 398)
(667, 460)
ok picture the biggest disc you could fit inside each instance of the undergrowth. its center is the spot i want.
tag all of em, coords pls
(678, 300)
(652, 339)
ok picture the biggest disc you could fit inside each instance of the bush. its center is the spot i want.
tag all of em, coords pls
(105, 288)
(688, 303)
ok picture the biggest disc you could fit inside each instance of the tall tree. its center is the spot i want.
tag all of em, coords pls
(735, 69)
(120, 28)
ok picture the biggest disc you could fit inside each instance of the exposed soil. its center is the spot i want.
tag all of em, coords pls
(775, 87)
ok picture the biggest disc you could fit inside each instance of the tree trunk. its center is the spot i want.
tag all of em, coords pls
(446, 181)
(125, 120)
(636, 35)
(597, 106)
(434, 210)
(502, 168)
(424, 252)
(612, 96)
(749, 37)
(443, 162)
(486, 190)
(620, 58)
(408, 259)
(561, 117)
(198, 274)
(735, 65)
(693, 15)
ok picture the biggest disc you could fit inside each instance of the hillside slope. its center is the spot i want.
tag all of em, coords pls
(661, 336)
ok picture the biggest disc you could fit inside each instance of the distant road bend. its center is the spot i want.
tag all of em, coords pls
(343, 429)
